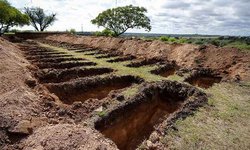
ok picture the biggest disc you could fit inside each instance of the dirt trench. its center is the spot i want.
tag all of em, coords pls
(130, 124)
(167, 69)
(204, 78)
(94, 88)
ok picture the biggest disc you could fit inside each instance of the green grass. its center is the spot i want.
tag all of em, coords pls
(240, 45)
(236, 42)
(222, 124)
(131, 91)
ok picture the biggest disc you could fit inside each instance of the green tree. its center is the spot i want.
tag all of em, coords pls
(10, 16)
(120, 19)
(38, 19)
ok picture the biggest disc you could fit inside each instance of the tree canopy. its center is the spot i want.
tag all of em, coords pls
(10, 16)
(120, 19)
(38, 19)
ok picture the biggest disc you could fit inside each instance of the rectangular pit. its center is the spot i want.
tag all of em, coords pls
(166, 70)
(96, 88)
(204, 81)
(128, 125)
(204, 78)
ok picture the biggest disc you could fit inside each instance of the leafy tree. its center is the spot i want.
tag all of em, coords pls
(10, 16)
(38, 19)
(120, 19)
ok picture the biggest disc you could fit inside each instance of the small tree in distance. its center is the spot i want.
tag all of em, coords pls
(10, 16)
(120, 19)
(38, 19)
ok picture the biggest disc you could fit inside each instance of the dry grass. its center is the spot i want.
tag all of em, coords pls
(222, 124)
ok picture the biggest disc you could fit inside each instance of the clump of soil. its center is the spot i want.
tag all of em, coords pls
(64, 65)
(38, 57)
(107, 56)
(133, 122)
(145, 62)
(66, 136)
(166, 69)
(56, 76)
(58, 60)
(120, 59)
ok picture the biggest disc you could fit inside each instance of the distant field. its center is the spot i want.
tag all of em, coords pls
(242, 43)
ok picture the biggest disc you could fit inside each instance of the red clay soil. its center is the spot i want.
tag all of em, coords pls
(229, 61)
(24, 122)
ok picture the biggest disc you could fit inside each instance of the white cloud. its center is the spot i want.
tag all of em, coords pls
(169, 16)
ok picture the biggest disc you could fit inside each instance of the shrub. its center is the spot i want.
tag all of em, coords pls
(172, 39)
(199, 42)
(215, 42)
(164, 38)
(105, 32)
(72, 31)
(183, 40)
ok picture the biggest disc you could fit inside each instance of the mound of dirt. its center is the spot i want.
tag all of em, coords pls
(66, 136)
(25, 121)
(229, 61)
(18, 102)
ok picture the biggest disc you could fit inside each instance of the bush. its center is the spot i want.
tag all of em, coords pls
(215, 42)
(72, 31)
(183, 40)
(199, 42)
(172, 39)
(164, 38)
(105, 32)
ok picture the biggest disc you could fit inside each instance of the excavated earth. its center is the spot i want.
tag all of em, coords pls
(55, 93)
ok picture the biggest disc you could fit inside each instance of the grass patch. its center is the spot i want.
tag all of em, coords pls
(131, 91)
(101, 113)
(222, 124)
(240, 45)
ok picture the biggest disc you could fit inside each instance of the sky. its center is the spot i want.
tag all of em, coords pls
(214, 17)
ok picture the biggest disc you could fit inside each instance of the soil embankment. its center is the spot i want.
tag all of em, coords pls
(25, 122)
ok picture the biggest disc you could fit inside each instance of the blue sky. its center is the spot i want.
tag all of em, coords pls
(225, 17)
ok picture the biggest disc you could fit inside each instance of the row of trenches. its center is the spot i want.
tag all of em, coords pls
(155, 106)
(200, 77)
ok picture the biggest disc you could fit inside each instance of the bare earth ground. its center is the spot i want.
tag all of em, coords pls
(220, 124)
